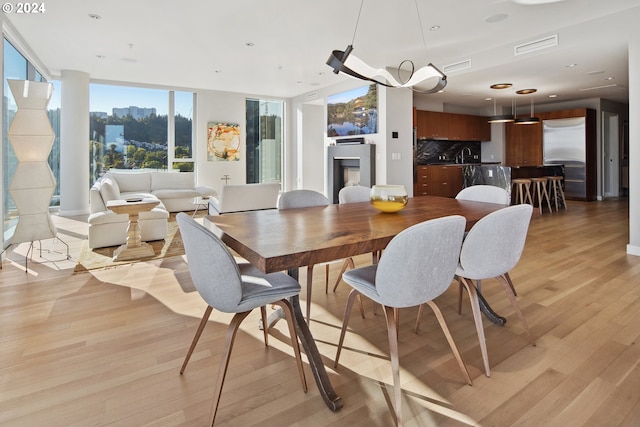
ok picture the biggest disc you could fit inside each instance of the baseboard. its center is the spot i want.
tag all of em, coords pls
(633, 250)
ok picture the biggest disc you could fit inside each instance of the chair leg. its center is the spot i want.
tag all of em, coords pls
(224, 363)
(288, 314)
(452, 344)
(418, 318)
(203, 323)
(546, 194)
(265, 326)
(516, 307)
(477, 317)
(552, 184)
(391, 315)
(538, 191)
(361, 306)
(347, 263)
(326, 278)
(564, 202)
(347, 313)
(459, 295)
(506, 276)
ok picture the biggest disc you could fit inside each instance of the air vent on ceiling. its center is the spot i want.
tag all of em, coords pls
(601, 87)
(458, 66)
(311, 96)
(543, 43)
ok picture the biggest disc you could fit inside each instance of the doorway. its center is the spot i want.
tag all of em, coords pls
(610, 155)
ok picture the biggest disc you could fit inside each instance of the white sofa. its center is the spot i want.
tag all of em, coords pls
(245, 197)
(176, 192)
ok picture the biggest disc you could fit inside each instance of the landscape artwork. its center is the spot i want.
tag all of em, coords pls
(354, 112)
(223, 141)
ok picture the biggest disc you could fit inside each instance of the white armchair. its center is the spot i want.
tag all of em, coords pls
(245, 197)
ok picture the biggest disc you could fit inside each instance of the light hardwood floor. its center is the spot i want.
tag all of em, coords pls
(105, 347)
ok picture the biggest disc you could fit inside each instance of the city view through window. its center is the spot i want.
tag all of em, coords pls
(130, 130)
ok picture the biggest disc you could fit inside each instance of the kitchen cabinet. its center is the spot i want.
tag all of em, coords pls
(484, 128)
(423, 182)
(523, 144)
(436, 180)
(433, 125)
(455, 127)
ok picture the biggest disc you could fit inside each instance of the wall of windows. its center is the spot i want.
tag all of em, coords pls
(264, 140)
(17, 67)
(139, 128)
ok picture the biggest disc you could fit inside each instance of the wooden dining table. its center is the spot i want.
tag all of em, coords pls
(285, 240)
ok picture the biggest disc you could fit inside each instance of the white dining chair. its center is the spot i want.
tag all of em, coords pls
(351, 194)
(302, 199)
(433, 248)
(486, 194)
(232, 287)
(491, 248)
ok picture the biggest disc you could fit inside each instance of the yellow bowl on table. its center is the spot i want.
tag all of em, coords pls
(388, 198)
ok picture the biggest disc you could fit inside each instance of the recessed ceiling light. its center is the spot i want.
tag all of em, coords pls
(488, 99)
(94, 16)
(434, 28)
(553, 96)
(594, 73)
(610, 78)
(495, 18)
(572, 65)
(299, 82)
(526, 91)
(217, 71)
(100, 56)
(501, 86)
(249, 44)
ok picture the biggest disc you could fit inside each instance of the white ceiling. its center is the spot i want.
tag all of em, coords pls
(203, 44)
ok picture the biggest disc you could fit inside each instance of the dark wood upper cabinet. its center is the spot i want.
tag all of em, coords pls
(433, 124)
(524, 144)
(455, 127)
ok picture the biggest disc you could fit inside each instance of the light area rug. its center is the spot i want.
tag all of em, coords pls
(91, 259)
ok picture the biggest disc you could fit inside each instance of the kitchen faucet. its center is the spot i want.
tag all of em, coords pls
(469, 152)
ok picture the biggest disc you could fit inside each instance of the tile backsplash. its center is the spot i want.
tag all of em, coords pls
(431, 151)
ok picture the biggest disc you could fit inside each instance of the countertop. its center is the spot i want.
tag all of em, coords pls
(462, 164)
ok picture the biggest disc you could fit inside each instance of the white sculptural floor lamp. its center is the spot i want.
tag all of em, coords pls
(31, 188)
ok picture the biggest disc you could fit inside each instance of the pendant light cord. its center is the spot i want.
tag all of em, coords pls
(424, 41)
(357, 22)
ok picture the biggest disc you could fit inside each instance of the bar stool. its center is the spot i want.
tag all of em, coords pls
(540, 192)
(555, 184)
(522, 190)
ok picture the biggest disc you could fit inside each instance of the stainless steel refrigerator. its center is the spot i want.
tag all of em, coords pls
(564, 143)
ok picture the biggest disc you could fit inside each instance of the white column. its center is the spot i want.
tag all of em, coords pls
(74, 144)
(633, 248)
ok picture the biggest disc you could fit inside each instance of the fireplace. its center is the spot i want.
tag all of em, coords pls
(350, 165)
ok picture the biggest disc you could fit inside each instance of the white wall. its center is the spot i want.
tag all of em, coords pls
(399, 151)
(312, 176)
(301, 127)
(633, 248)
(224, 107)
(394, 156)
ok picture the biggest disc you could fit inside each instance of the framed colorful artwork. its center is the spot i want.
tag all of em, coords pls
(223, 141)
